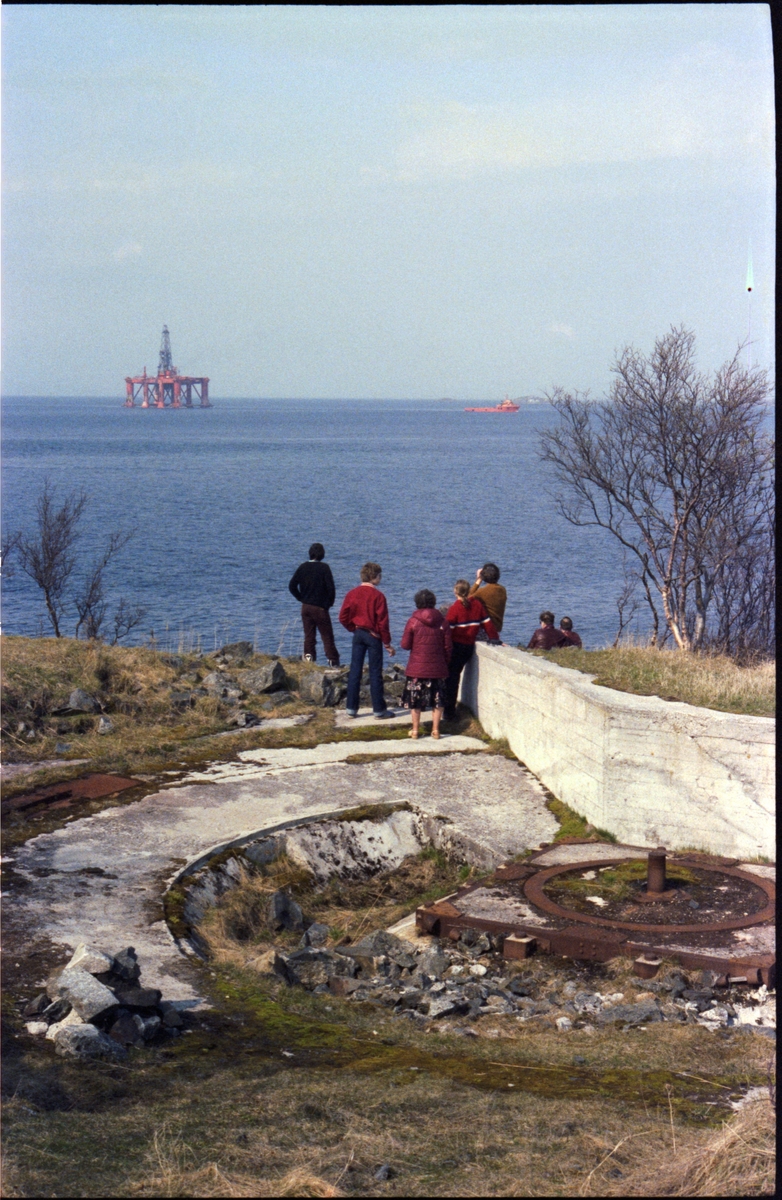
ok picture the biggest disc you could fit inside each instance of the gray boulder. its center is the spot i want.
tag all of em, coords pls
(147, 1026)
(86, 1042)
(433, 962)
(87, 959)
(137, 997)
(237, 650)
(125, 965)
(380, 943)
(125, 1031)
(284, 912)
(326, 688)
(441, 1006)
(630, 1015)
(35, 1007)
(311, 967)
(221, 685)
(84, 993)
(269, 678)
(80, 702)
(105, 725)
(315, 935)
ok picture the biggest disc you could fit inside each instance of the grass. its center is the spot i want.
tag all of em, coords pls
(709, 681)
(573, 825)
(222, 1112)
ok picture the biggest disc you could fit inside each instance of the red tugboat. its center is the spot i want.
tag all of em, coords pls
(506, 406)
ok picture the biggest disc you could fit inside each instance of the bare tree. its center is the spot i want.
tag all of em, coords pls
(126, 617)
(47, 555)
(677, 467)
(90, 601)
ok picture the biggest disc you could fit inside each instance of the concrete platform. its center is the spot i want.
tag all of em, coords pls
(367, 717)
(101, 879)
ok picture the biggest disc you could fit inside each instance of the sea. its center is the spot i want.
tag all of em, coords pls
(224, 502)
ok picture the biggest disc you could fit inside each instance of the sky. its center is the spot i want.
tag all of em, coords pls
(381, 202)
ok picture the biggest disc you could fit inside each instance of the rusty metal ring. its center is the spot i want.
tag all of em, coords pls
(533, 890)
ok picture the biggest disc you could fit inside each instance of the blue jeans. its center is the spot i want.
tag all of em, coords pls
(365, 643)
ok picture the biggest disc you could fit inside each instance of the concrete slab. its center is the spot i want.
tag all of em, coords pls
(101, 879)
(367, 717)
(586, 853)
(14, 770)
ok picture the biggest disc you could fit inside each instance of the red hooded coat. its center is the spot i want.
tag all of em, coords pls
(427, 636)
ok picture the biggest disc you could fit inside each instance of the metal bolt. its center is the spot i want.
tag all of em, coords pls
(655, 878)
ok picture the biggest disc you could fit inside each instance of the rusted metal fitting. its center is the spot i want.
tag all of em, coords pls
(655, 874)
(645, 967)
(518, 947)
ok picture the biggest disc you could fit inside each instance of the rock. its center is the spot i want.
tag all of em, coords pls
(284, 912)
(380, 943)
(172, 660)
(221, 685)
(172, 1019)
(125, 965)
(86, 959)
(311, 967)
(56, 1011)
(588, 1002)
(137, 997)
(441, 1006)
(86, 994)
(383, 1173)
(62, 747)
(238, 650)
(326, 688)
(36, 1028)
(433, 962)
(518, 988)
(477, 970)
(315, 935)
(341, 985)
(182, 700)
(269, 678)
(563, 1024)
(72, 1018)
(631, 1015)
(85, 1042)
(147, 1026)
(36, 1006)
(126, 1032)
(105, 725)
(80, 702)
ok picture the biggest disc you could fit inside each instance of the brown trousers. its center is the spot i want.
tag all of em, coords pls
(314, 618)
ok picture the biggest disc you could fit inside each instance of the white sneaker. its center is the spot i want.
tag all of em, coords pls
(307, 658)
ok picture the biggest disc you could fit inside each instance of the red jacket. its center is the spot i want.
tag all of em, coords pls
(546, 637)
(466, 619)
(572, 637)
(365, 608)
(427, 636)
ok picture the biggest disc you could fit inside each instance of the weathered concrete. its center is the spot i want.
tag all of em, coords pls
(100, 880)
(648, 770)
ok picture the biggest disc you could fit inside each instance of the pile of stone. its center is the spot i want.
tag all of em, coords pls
(469, 979)
(96, 1006)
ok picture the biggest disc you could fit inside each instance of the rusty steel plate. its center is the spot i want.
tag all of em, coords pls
(533, 890)
(89, 787)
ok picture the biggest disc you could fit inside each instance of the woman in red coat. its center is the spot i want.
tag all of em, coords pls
(427, 636)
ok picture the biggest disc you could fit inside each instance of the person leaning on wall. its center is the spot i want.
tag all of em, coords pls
(488, 587)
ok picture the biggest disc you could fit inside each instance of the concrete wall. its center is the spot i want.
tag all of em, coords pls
(650, 771)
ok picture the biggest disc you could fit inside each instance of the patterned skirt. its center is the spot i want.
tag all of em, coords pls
(424, 693)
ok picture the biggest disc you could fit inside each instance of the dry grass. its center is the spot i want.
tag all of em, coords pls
(737, 1160)
(236, 932)
(708, 681)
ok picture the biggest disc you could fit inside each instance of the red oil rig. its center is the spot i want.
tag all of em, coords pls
(167, 389)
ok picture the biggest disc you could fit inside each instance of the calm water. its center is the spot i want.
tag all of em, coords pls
(225, 502)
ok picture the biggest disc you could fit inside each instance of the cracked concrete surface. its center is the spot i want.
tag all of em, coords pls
(101, 879)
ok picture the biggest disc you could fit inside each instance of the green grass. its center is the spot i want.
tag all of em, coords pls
(708, 681)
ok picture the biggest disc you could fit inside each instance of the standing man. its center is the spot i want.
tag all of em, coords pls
(364, 613)
(313, 586)
(488, 588)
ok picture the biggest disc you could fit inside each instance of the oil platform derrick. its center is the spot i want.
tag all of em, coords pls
(167, 389)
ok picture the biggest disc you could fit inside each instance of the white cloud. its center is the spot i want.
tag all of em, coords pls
(556, 327)
(128, 250)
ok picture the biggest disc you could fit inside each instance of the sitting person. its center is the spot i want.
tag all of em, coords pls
(566, 625)
(427, 636)
(546, 637)
(487, 585)
(466, 618)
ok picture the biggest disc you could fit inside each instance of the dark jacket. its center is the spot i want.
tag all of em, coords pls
(313, 583)
(572, 638)
(427, 636)
(546, 637)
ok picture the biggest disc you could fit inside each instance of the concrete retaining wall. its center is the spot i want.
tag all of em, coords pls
(650, 771)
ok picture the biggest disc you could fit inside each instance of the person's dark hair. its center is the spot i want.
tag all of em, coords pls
(462, 589)
(425, 599)
(566, 624)
(490, 573)
(316, 551)
(547, 618)
(370, 572)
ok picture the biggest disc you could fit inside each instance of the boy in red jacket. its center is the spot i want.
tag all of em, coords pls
(364, 613)
(466, 617)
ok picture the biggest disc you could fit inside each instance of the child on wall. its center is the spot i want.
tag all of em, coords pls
(427, 636)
